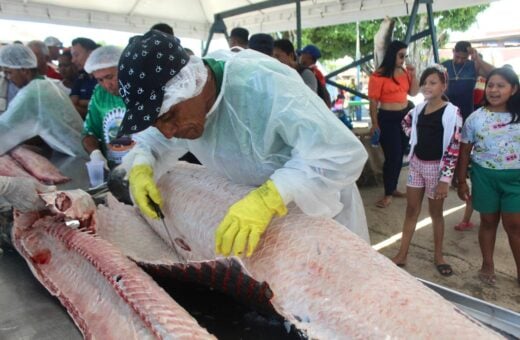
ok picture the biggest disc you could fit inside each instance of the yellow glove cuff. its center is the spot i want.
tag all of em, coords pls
(144, 189)
(271, 197)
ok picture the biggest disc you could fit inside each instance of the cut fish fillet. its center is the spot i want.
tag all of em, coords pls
(107, 295)
(9, 167)
(39, 166)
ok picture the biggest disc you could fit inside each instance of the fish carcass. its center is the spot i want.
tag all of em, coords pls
(382, 40)
(322, 278)
(107, 295)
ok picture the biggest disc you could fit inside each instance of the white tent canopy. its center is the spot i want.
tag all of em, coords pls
(193, 18)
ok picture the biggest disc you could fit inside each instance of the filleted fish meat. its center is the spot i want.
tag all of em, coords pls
(38, 166)
(107, 295)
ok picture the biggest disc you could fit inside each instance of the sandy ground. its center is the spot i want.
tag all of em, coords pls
(461, 249)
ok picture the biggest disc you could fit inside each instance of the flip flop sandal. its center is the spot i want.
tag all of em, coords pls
(444, 269)
(382, 203)
(461, 226)
(489, 279)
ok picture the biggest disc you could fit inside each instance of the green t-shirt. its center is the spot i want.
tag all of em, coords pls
(104, 116)
(217, 67)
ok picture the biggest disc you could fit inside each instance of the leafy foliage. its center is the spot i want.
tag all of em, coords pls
(340, 40)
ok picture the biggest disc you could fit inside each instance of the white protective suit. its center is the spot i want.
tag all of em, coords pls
(41, 109)
(267, 124)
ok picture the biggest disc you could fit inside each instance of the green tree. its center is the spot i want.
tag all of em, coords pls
(340, 40)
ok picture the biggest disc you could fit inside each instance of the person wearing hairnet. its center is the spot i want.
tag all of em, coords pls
(249, 118)
(22, 193)
(106, 108)
(39, 109)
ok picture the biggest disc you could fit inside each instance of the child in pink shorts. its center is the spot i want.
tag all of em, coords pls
(434, 128)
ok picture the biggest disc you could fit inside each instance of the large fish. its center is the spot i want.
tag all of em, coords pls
(107, 295)
(314, 272)
(382, 39)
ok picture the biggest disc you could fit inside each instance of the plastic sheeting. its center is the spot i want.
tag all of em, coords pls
(42, 109)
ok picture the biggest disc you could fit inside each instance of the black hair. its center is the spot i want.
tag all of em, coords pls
(240, 34)
(513, 103)
(462, 46)
(262, 42)
(161, 26)
(388, 65)
(66, 53)
(286, 46)
(86, 43)
(443, 76)
(431, 70)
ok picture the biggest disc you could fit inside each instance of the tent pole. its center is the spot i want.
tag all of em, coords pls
(298, 25)
(218, 26)
(411, 22)
(433, 32)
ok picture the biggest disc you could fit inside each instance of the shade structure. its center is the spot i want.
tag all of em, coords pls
(193, 18)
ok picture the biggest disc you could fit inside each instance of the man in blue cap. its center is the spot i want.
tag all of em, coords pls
(249, 118)
(309, 55)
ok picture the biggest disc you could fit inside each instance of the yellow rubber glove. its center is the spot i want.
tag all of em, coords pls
(143, 189)
(247, 219)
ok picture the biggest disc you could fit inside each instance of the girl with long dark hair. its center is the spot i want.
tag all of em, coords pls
(388, 88)
(491, 141)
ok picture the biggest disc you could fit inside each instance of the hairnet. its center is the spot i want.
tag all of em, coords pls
(103, 57)
(53, 41)
(186, 84)
(17, 56)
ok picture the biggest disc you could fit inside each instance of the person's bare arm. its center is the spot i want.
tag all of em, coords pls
(414, 83)
(464, 157)
(373, 105)
(90, 143)
(81, 105)
(482, 67)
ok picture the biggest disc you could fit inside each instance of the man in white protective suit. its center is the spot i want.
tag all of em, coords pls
(249, 118)
(40, 108)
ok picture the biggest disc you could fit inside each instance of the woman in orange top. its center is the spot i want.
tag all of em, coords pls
(388, 88)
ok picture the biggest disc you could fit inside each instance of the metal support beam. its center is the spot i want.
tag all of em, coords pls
(348, 89)
(351, 65)
(411, 22)
(218, 26)
(433, 32)
(298, 25)
(254, 7)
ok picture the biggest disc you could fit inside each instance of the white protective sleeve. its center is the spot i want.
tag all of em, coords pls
(42, 109)
(266, 123)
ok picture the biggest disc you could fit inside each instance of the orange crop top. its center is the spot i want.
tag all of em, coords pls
(386, 90)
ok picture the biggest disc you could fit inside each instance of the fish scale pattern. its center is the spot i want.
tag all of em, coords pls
(325, 279)
(107, 295)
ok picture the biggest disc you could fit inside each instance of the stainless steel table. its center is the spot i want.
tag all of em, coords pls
(27, 310)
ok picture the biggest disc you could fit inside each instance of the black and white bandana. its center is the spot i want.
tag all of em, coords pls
(146, 65)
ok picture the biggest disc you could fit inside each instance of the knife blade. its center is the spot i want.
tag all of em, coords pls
(159, 212)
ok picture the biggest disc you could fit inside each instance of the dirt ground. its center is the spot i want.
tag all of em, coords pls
(461, 249)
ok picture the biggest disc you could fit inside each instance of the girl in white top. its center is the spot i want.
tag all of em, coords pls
(434, 128)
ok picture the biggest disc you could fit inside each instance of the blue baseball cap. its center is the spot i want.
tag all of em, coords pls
(312, 50)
